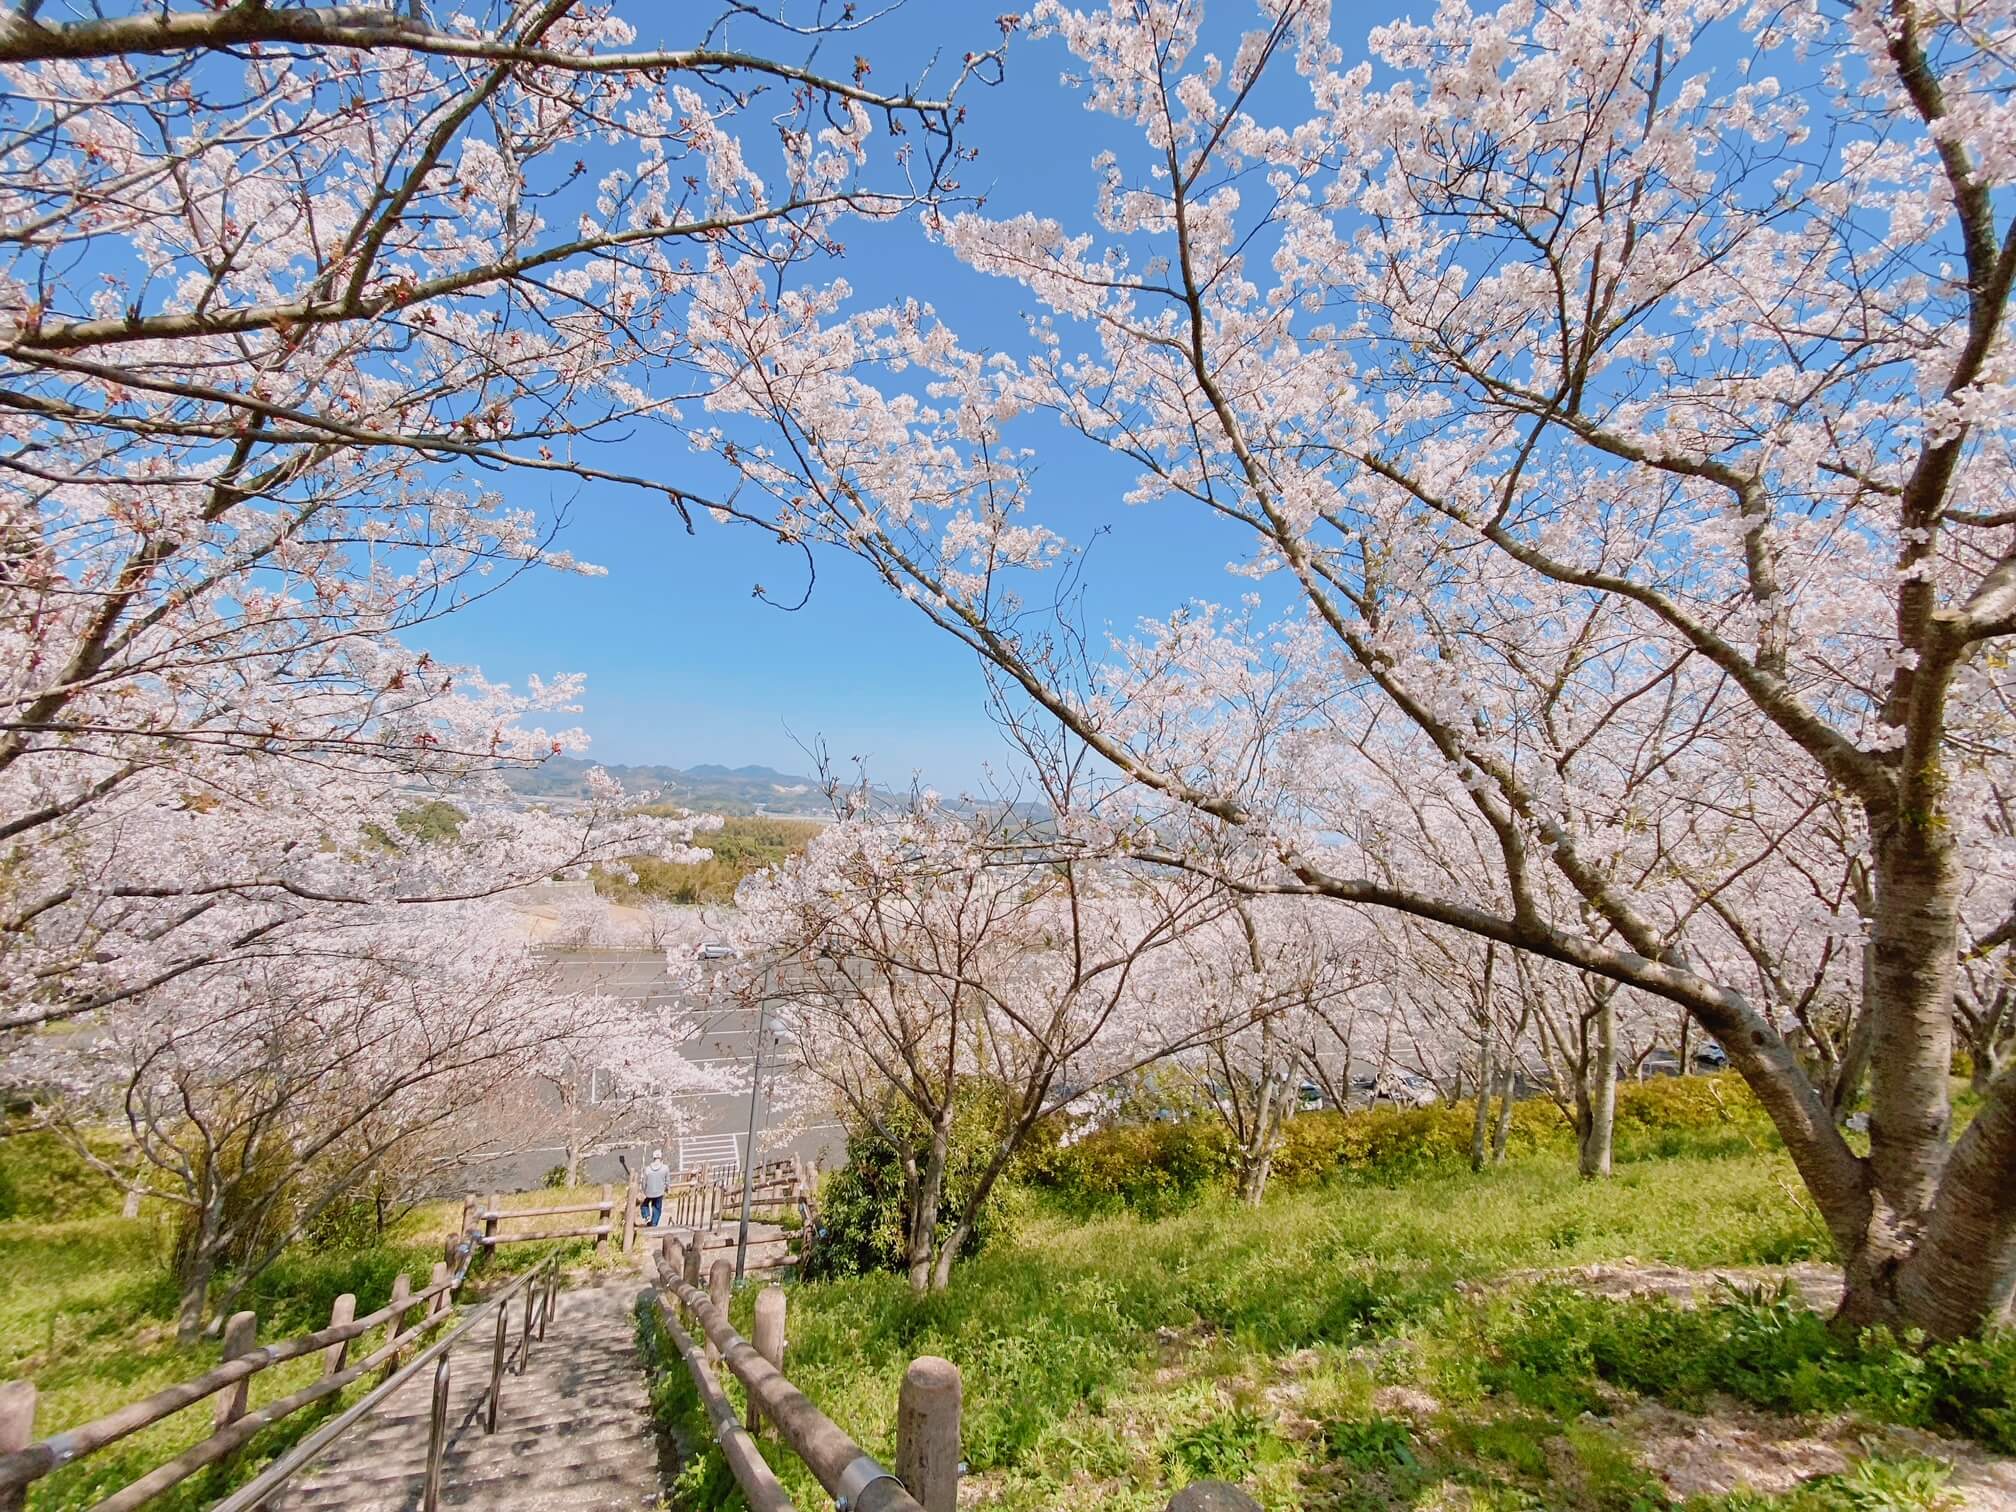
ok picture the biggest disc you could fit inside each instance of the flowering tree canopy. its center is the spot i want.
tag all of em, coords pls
(289, 297)
(914, 957)
(1611, 403)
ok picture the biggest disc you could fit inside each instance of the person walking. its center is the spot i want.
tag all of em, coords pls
(657, 1177)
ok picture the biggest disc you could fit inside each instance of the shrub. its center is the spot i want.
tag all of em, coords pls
(863, 1215)
(1150, 1168)
(1221, 1448)
(1160, 1167)
(1676, 1104)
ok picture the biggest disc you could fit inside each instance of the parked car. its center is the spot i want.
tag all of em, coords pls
(1711, 1055)
(1405, 1089)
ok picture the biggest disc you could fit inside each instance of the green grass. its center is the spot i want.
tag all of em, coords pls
(1106, 1363)
(87, 1313)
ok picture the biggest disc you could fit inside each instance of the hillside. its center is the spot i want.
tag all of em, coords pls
(1398, 1334)
(745, 843)
(709, 788)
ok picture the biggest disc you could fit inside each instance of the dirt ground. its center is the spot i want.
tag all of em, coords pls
(1819, 1284)
(1732, 1448)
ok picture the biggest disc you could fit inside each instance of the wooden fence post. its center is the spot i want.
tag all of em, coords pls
(238, 1340)
(440, 1302)
(402, 1288)
(629, 1212)
(608, 1207)
(17, 1431)
(720, 1282)
(927, 1433)
(490, 1215)
(469, 1201)
(497, 1367)
(770, 1304)
(690, 1270)
(341, 1311)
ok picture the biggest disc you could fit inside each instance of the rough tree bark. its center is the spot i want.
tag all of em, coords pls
(1596, 1090)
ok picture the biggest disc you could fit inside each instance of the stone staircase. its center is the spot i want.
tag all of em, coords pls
(573, 1432)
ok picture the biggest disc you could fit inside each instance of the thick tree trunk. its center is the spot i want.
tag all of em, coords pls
(1480, 1129)
(1256, 1156)
(930, 1193)
(1502, 1135)
(190, 1312)
(1961, 1277)
(1597, 1096)
(198, 1268)
(1908, 1003)
(948, 1253)
(1914, 936)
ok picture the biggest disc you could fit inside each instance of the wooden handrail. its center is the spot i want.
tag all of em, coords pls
(39, 1459)
(839, 1464)
(275, 1475)
(500, 1214)
(491, 1241)
(760, 1487)
(228, 1440)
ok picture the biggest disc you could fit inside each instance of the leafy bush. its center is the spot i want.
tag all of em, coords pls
(1376, 1443)
(1221, 1448)
(1154, 1168)
(1151, 1168)
(863, 1213)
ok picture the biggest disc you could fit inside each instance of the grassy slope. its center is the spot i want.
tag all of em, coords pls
(1105, 1364)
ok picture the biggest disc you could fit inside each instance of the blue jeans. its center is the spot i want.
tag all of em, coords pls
(653, 1206)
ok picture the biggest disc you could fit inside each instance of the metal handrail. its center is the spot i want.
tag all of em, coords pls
(274, 1476)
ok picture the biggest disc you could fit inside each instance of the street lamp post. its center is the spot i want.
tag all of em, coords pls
(749, 1157)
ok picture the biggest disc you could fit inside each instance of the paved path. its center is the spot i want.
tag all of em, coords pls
(573, 1432)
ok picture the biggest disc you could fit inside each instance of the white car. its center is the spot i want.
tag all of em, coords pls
(1404, 1089)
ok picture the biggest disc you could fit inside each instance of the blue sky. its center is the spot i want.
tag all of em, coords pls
(683, 665)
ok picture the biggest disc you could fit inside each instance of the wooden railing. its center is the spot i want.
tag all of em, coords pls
(540, 1286)
(24, 1460)
(928, 1463)
(926, 1477)
(481, 1218)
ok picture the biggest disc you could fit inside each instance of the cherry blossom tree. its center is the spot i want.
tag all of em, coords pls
(261, 1091)
(291, 297)
(1611, 402)
(918, 958)
(1279, 981)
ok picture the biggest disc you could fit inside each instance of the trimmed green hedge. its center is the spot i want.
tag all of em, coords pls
(1158, 1168)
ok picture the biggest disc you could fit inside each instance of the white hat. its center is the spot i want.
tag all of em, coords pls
(657, 1154)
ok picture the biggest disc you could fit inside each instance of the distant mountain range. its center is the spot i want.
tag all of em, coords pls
(709, 788)
(715, 789)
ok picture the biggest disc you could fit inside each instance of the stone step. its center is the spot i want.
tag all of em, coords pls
(574, 1431)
